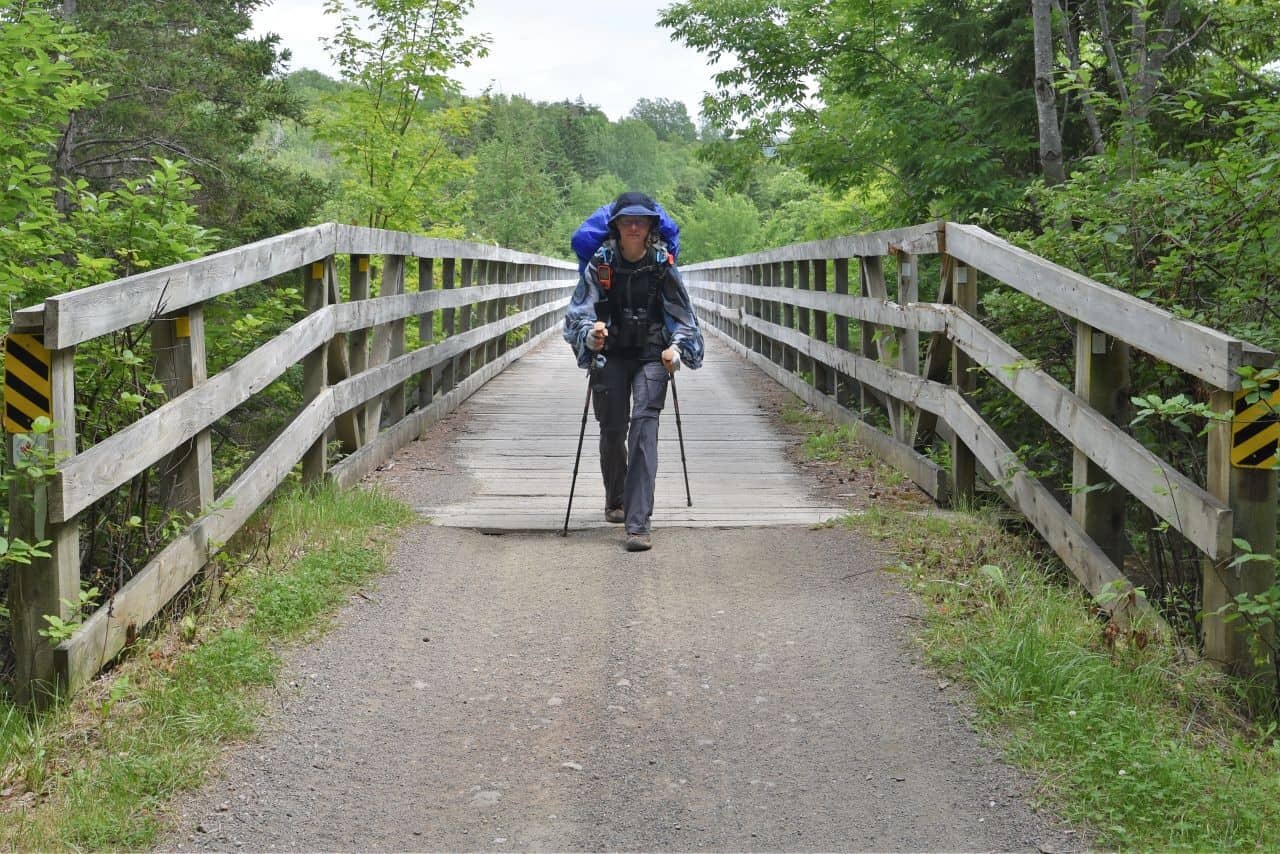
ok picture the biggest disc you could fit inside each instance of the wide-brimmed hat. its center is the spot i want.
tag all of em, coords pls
(633, 204)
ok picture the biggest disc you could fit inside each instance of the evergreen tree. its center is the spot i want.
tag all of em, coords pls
(187, 83)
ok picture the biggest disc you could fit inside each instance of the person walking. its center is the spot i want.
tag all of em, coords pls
(632, 308)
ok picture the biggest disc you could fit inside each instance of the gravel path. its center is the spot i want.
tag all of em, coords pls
(731, 690)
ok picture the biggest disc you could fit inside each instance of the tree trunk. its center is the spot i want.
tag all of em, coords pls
(63, 161)
(1046, 97)
(1149, 60)
(1071, 41)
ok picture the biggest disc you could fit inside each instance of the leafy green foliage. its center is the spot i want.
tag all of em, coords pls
(719, 226)
(99, 769)
(59, 629)
(1168, 114)
(515, 197)
(669, 119)
(290, 602)
(391, 128)
(186, 83)
(1112, 720)
(40, 88)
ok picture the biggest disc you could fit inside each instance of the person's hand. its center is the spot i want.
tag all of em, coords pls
(671, 359)
(595, 338)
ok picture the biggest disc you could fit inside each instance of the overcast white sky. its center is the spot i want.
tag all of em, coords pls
(610, 53)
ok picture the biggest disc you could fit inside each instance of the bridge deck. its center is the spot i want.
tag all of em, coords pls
(521, 432)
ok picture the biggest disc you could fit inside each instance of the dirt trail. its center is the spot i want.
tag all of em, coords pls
(732, 690)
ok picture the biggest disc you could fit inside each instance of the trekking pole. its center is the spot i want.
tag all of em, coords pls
(675, 398)
(564, 532)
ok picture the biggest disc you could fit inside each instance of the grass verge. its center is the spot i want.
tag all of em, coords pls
(96, 772)
(1127, 737)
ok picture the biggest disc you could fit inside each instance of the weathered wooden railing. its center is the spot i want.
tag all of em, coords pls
(360, 388)
(788, 310)
(781, 308)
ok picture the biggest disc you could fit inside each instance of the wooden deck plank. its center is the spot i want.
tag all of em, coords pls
(521, 434)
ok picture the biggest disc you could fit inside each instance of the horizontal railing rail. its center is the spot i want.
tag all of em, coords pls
(791, 311)
(361, 389)
(815, 316)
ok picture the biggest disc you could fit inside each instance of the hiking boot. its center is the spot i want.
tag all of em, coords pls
(614, 514)
(638, 543)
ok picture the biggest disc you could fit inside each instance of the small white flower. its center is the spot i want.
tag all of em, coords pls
(1071, 714)
(1122, 772)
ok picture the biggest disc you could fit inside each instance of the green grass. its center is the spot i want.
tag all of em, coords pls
(96, 773)
(1127, 739)
(829, 444)
(292, 602)
(800, 414)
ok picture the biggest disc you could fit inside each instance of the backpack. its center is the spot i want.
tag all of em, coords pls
(595, 230)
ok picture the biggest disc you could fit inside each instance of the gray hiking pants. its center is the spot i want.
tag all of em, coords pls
(628, 396)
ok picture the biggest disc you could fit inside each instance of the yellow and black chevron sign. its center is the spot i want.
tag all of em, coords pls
(26, 382)
(1255, 429)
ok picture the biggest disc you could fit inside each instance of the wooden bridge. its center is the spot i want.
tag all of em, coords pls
(527, 423)
(820, 318)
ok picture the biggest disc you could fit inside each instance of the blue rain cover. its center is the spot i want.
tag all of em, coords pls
(595, 229)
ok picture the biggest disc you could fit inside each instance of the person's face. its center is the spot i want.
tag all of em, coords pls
(634, 234)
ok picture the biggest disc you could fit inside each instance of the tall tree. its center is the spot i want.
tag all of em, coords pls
(718, 226)
(1046, 95)
(629, 149)
(186, 82)
(943, 102)
(393, 126)
(932, 100)
(669, 119)
(515, 197)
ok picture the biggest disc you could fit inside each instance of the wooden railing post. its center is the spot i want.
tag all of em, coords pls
(358, 340)
(527, 273)
(964, 468)
(463, 362)
(868, 267)
(46, 585)
(1252, 496)
(426, 330)
(396, 401)
(178, 347)
(728, 300)
(507, 273)
(347, 425)
(879, 342)
(480, 353)
(739, 303)
(802, 321)
(493, 309)
(315, 375)
(844, 384)
(779, 350)
(382, 346)
(908, 339)
(755, 309)
(790, 357)
(448, 325)
(768, 307)
(1102, 379)
(823, 380)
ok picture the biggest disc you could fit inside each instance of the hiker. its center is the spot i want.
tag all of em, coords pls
(631, 308)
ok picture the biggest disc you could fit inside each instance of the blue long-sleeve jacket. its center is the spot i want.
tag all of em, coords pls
(680, 322)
